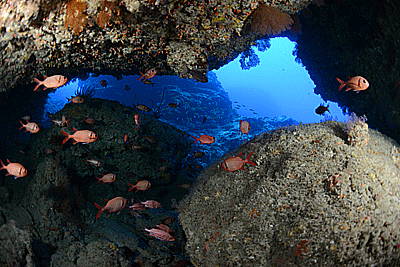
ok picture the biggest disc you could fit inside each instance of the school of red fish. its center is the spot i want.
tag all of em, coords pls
(162, 231)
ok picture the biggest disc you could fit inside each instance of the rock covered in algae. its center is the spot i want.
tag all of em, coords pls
(313, 199)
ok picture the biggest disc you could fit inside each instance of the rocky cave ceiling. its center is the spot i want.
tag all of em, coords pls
(336, 38)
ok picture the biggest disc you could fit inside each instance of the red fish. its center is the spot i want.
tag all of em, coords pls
(244, 127)
(151, 204)
(147, 75)
(160, 234)
(204, 139)
(356, 83)
(108, 178)
(82, 136)
(76, 99)
(140, 186)
(14, 169)
(114, 205)
(137, 121)
(30, 127)
(54, 81)
(232, 164)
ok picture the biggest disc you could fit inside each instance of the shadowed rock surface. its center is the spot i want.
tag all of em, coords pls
(317, 197)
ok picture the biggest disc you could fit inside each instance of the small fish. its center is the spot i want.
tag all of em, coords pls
(204, 119)
(114, 205)
(173, 105)
(107, 179)
(76, 99)
(244, 127)
(140, 186)
(232, 164)
(48, 151)
(137, 121)
(165, 228)
(204, 139)
(103, 83)
(148, 74)
(163, 169)
(356, 83)
(126, 139)
(62, 122)
(148, 82)
(14, 169)
(90, 121)
(94, 162)
(160, 234)
(135, 147)
(185, 186)
(196, 74)
(30, 127)
(127, 88)
(137, 206)
(321, 109)
(143, 108)
(54, 81)
(150, 138)
(82, 136)
(198, 154)
(26, 118)
(151, 204)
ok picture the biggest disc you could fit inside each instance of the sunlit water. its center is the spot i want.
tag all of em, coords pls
(277, 86)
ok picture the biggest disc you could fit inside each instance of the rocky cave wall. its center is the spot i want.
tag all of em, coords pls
(122, 37)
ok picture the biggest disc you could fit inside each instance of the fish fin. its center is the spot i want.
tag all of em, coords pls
(38, 84)
(240, 154)
(2, 165)
(342, 84)
(67, 137)
(357, 91)
(141, 76)
(100, 211)
(132, 186)
(15, 177)
(21, 126)
(74, 129)
(98, 180)
(76, 142)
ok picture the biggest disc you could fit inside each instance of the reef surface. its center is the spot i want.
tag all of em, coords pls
(321, 194)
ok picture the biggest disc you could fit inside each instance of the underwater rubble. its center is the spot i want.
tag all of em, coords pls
(318, 196)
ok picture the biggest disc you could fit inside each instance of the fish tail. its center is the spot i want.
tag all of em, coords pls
(21, 126)
(248, 161)
(101, 209)
(141, 76)
(132, 187)
(197, 139)
(98, 180)
(39, 83)
(67, 136)
(2, 165)
(342, 84)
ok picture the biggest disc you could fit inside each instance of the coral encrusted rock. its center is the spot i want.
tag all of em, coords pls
(313, 200)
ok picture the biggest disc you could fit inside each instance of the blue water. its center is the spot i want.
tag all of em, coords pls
(277, 86)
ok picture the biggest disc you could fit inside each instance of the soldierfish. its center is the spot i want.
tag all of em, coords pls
(114, 205)
(356, 83)
(140, 186)
(30, 127)
(137, 121)
(196, 74)
(232, 164)
(147, 75)
(204, 139)
(107, 179)
(151, 204)
(160, 234)
(54, 81)
(82, 136)
(14, 169)
(244, 127)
